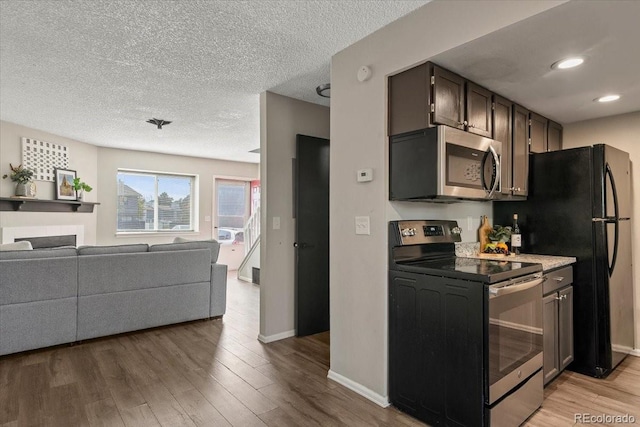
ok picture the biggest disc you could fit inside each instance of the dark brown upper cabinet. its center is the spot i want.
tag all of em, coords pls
(425, 96)
(554, 136)
(448, 98)
(410, 100)
(537, 133)
(479, 109)
(502, 131)
(520, 154)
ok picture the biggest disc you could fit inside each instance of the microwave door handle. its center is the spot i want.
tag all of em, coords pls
(496, 180)
(514, 288)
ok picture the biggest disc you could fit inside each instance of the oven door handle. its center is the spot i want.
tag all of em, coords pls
(509, 289)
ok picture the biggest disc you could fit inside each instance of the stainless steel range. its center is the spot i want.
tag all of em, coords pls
(465, 335)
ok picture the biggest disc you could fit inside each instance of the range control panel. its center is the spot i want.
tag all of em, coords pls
(415, 232)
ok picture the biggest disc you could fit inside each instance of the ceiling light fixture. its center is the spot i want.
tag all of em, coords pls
(564, 64)
(324, 90)
(608, 98)
(158, 122)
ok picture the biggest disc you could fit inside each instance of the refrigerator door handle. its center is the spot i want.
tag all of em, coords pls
(616, 213)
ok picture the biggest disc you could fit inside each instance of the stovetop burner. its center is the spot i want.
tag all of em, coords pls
(481, 270)
(428, 247)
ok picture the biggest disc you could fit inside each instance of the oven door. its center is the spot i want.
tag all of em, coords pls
(515, 333)
(471, 165)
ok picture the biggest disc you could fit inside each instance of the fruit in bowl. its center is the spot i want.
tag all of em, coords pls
(499, 248)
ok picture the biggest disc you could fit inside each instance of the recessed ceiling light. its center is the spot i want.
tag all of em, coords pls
(608, 98)
(567, 63)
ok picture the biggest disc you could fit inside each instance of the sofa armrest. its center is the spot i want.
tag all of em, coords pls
(218, 290)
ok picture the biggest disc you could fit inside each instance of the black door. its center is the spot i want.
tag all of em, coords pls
(312, 235)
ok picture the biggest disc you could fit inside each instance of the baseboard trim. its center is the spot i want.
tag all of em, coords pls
(635, 352)
(359, 388)
(245, 279)
(276, 337)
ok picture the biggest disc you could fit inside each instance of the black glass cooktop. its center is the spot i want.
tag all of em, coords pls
(475, 269)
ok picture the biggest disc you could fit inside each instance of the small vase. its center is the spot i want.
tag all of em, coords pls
(80, 195)
(26, 189)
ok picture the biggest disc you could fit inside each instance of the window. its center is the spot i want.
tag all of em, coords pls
(150, 202)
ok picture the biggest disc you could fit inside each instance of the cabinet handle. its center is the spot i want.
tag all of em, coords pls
(561, 297)
(471, 126)
(558, 278)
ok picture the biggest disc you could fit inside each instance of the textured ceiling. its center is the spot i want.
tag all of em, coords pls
(516, 61)
(95, 71)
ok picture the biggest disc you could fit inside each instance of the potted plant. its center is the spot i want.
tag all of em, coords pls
(81, 187)
(22, 176)
(499, 236)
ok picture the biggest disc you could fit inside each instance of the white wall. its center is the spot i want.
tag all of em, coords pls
(281, 118)
(113, 159)
(83, 159)
(623, 132)
(358, 277)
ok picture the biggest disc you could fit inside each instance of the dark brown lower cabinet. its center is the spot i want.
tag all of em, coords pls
(558, 332)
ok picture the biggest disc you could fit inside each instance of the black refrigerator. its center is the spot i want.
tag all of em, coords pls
(579, 204)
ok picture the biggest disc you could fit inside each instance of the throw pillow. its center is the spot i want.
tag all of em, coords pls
(23, 245)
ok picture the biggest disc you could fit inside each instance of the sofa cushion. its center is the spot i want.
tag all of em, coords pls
(39, 253)
(116, 249)
(23, 245)
(212, 245)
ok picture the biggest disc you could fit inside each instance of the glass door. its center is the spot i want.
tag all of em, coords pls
(232, 210)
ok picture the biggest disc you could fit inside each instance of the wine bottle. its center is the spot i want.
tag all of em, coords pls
(516, 237)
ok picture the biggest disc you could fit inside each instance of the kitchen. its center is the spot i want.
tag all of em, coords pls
(620, 131)
(573, 202)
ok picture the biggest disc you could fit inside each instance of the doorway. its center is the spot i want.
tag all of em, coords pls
(231, 212)
(312, 235)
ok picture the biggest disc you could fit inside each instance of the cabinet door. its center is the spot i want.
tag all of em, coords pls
(554, 136)
(565, 326)
(448, 98)
(551, 364)
(520, 156)
(502, 132)
(479, 110)
(538, 133)
(409, 100)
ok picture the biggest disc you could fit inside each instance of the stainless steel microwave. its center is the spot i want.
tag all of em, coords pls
(444, 164)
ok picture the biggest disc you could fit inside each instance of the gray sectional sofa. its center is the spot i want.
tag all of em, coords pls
(56, 296)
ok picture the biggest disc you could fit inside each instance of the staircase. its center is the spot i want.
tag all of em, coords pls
(251, 247)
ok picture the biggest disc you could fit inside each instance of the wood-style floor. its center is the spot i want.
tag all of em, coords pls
(216, 373)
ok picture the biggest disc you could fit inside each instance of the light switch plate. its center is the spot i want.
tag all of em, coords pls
(276, 223)
(362, 225)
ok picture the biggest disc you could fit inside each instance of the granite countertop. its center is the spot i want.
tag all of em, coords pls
(549, 262)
